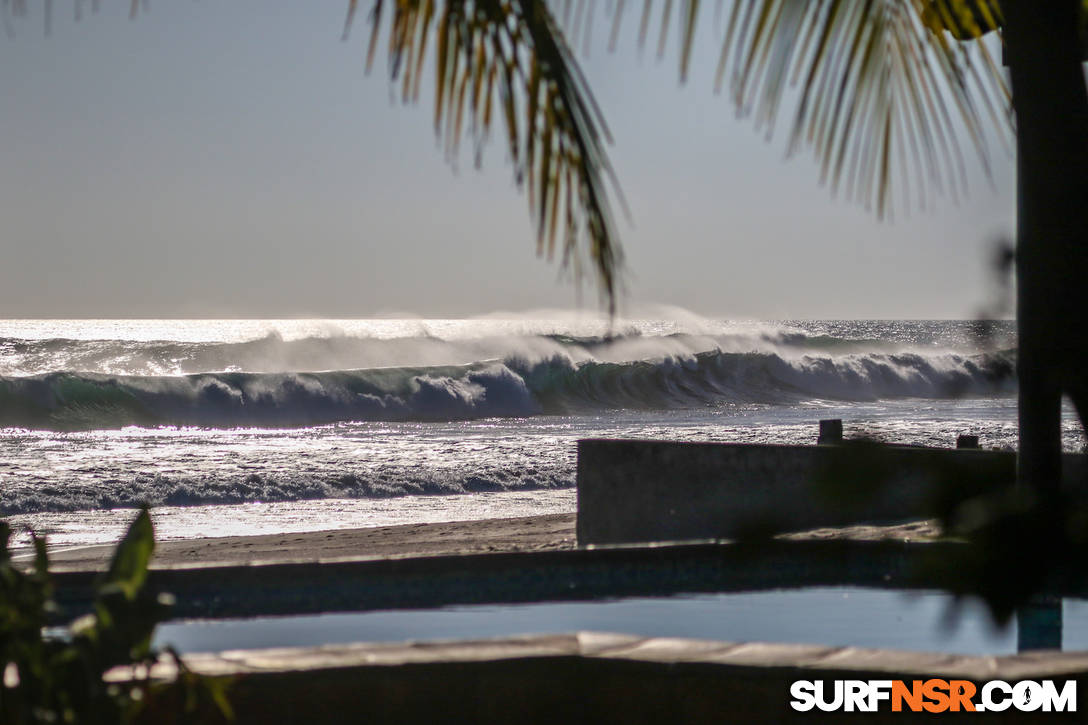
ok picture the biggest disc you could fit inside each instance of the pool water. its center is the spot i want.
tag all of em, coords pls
(839, 616)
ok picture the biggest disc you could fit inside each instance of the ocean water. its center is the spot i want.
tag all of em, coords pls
(268, 426)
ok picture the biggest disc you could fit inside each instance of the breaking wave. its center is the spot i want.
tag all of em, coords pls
(555, 379)
(469, 343)
(221, 488)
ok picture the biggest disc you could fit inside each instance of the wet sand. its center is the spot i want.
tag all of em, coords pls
(529, 533)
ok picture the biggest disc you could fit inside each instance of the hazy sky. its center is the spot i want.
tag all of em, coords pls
(221, 158)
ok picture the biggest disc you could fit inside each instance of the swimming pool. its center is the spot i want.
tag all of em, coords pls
(841, 616)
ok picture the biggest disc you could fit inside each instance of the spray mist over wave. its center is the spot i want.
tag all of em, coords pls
(313, 372)
(515, 387)
(163, 348)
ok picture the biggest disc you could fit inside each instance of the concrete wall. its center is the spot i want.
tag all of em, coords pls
(571, 575)
(639, 491)
(587, 678)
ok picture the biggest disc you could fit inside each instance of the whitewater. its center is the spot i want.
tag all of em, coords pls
(232, 427)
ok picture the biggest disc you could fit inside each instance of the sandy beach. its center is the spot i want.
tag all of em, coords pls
(528, 533)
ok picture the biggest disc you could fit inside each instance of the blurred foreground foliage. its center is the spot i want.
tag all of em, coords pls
(1019, 544)
(59, 674)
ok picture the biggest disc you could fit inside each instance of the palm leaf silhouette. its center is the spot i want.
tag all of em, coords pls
(881, 92)
(508, 62)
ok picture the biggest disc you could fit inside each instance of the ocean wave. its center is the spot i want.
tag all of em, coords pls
(177, 490)
(517, 386)
(272, 353)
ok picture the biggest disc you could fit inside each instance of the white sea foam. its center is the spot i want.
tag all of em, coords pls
(207, 416)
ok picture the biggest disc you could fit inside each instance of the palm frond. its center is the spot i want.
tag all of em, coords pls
(884, 88)
(508, 62)
(881, 91)
(880, 84)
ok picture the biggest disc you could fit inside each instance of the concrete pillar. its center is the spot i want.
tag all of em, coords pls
(830, 431)
(967, 441)
(1039, 624)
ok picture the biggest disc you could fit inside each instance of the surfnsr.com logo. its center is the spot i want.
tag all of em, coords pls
(933, 696)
